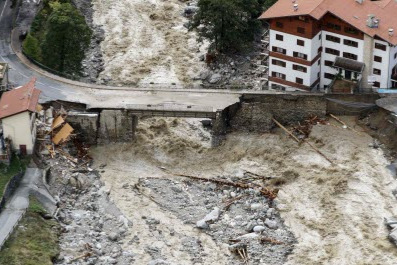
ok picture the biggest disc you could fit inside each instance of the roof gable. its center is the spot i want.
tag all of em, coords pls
(350, 11)
(19, 100)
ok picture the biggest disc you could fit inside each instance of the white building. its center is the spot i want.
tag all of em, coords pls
(18, 116)
(318, 43)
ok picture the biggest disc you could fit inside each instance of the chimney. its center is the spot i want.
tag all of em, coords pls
(372, 22)
(391, 32)
(295, 7)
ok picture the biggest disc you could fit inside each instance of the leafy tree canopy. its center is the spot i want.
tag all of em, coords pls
(230, 25)
(63, 37)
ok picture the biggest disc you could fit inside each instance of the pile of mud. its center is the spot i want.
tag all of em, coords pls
(335, 210)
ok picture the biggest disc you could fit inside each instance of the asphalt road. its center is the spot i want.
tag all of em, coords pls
(95, 96)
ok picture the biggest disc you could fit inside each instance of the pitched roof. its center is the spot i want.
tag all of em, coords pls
(350, 11)
(19, 100)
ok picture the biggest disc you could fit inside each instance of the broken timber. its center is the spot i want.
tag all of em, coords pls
(299, 141)
(268, 193)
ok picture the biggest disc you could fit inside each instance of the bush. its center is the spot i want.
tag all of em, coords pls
(31, 47)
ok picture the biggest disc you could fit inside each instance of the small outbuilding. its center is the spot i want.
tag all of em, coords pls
(18, 116)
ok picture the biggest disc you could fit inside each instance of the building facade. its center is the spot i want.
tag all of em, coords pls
(315, 43)
(18, 116)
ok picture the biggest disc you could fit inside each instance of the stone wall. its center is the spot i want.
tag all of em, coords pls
(256, 111)
(116, 126)
(85, 124)
(12, 185)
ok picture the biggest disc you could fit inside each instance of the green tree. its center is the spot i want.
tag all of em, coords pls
(65, 39)
(230, 25)
(31, 47)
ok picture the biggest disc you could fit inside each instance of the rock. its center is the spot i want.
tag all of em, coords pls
(259, 229)
(270, 212)
(125, 221)
(256, 206)
(391, 222)
(190, 10)
(204, 74)
(113, 236)
(271, 223)
(158, 262)
(211, 217)
(250, 226)
(215, 78)
(233, 194)
(393, 236)
(202, 224)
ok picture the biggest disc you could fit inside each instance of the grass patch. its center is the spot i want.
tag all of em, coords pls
(34, 242)
(7, 172)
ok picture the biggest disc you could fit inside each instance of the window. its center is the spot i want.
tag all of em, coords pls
(279, 50)
(279, 37)
(328, 63)
(318, 62)
(279, 24)
(332, 38)
(377, 59)
(395, 55)
(332, 51)
(333, 26)
(380, 46)
(300, 55)
(351, 30)
(319, 37)
(376, 84)
(350, 43)
(299, 80)
(350, 56)
(377, 71)
(329, 76)
(300, 42)
(301, 30)
(278, 62)
(299, 68)
(278, 75)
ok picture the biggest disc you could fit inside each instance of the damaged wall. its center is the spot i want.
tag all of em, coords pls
(256, 111)
(116, 126)
(85, 124)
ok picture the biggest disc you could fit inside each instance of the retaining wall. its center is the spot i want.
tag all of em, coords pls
(12, 185)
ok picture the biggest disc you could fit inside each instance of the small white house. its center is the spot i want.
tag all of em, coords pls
(18, 115)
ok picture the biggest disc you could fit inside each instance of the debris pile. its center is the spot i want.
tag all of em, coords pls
(55, 136)
(242, 217)
(92, 226)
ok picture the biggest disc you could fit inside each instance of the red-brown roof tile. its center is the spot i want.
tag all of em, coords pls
(350, 11)
(19, 100)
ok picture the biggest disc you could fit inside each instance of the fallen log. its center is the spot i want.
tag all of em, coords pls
(268, 193)
(299, 141)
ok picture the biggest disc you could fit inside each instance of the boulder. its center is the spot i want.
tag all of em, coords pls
(215, 78)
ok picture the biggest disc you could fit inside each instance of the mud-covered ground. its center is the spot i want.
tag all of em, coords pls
(335, 211)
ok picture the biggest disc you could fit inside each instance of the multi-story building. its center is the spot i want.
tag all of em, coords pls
(315, 43)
